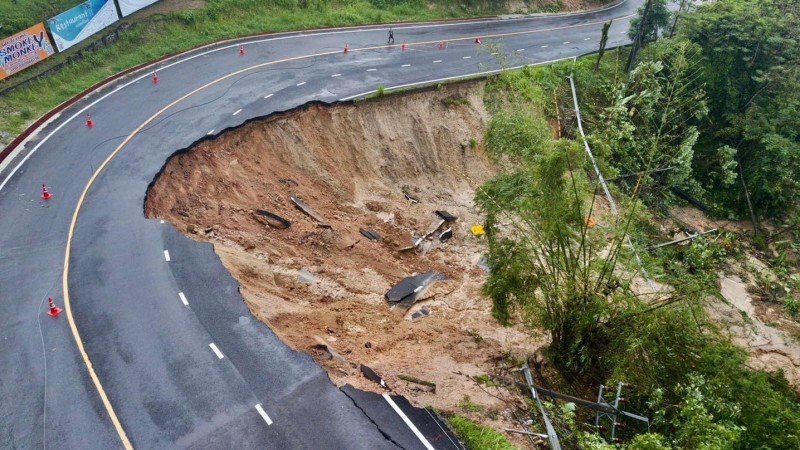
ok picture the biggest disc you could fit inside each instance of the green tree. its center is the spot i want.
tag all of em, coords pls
(751, 56)
(650, 128)
(656, 21)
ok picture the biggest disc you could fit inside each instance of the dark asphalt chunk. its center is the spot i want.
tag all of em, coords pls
(446, 216)
(271, 219)
(373, 376)
(410, 288)
(370, 234)
(446, 235)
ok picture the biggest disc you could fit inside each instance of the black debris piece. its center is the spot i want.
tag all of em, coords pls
(309, 211)
(272, 219)
(423, 312)
(368, 344)
(446, 216)
(446, 235)
(370, 234)
(372, 376)
(411, 198)
(410, 288)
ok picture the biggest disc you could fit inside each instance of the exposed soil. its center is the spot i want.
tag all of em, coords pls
(321, 288)
(762, 328)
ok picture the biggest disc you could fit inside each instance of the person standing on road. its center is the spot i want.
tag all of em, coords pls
(391, 36)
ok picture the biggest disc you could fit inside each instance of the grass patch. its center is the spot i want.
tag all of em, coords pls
(477, 437)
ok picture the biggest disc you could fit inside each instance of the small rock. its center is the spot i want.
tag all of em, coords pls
(368, 344)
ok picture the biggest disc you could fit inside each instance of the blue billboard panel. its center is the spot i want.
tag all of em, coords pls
(82, 21)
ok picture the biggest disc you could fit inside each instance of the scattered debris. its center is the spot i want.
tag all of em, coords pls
(409, 289)
(477, 230)
(426, 235)
(483, 263)
(325, 347)
(368, 344)
(410, 198)
(289, 182)
(370, 234)
(309, 211)
(446, 235)
(429, 386)
(271, 219)
(306, 277)
(371, 375)
(446, 216)
(423, 312)
(683, 239)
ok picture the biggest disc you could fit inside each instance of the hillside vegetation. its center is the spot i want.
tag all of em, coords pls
(712, 114)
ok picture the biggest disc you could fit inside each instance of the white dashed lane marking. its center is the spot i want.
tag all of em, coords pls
(166, 255)
(371, 70)
(336, 75)
(466, 57)
(544, 46)
(237, 112)
(565, 43)
(183, 299)
(301, 83)
(267, 96)
(210, 132)
(216, 350)
(263, 414)
(520, 50)
(437, 61)
(406, 65)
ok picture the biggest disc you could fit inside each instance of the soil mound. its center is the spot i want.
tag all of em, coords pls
(343, 176)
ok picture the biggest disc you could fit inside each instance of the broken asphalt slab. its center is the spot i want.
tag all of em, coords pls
(409, 289)
(432, 428)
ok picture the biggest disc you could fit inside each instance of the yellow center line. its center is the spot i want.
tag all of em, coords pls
(65, 276)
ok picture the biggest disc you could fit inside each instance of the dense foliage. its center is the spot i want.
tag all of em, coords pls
(712, 111)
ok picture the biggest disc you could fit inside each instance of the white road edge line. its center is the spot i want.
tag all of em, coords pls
(210, 132)
(408, 422)
(301, 83)
(565, 43)
(216, 350)
(336, 75)
(183, 299)
(237, 112)
(587, 39)
(166, 255)
(267, 96)
(263, 414)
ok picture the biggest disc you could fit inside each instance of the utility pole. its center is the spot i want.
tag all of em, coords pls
(637, 40)
(603, 41)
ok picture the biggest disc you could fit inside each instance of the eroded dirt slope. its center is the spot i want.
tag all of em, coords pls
(320, 286)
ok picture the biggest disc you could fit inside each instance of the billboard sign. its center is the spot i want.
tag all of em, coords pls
(129, 7)
(82, 21)
(24, 49)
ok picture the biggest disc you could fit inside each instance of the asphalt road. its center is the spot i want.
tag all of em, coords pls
(151, 352)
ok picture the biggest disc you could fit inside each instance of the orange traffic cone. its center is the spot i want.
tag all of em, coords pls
(442, 45)
(155, 77)
(478, 41)
(46, 195)
(403, 46)
(345, 48)
(89, 121)
(241, 50)
(54, 310)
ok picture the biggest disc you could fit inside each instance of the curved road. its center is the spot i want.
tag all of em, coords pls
(148, 303)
